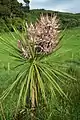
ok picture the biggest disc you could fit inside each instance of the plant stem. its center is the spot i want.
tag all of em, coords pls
(2, 111)
(33, 105)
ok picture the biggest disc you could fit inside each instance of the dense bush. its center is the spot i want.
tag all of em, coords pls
(12, 12)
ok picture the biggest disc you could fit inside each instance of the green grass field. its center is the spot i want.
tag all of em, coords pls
(69, 44)
(69, 50)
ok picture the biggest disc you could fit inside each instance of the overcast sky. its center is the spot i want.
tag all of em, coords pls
(57, 5)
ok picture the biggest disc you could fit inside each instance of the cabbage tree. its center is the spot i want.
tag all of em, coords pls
(36, 75)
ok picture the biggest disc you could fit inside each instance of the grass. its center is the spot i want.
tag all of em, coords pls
(70, 44)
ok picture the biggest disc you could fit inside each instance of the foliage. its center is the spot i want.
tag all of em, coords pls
(9, 7)
(12, 10)
(26, 7)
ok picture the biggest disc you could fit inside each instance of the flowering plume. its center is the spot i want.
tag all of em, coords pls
(44, 34)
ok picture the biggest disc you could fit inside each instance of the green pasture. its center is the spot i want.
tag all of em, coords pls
(69, 46)
(69, 50)
(70, 43)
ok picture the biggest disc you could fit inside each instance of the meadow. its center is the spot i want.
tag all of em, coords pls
(69, 51)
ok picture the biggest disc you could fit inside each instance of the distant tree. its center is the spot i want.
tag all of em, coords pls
(10, 8)
(26, 7)
(4, 8)
(27, 2)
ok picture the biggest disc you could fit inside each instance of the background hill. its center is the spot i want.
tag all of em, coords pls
(68, 20)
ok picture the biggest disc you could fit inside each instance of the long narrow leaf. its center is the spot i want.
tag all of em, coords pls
(41, 84)
(7, 91)
(53, 82)
(27, 84)
(21, 91)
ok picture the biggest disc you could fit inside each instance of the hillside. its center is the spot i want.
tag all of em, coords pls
(68, 20)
